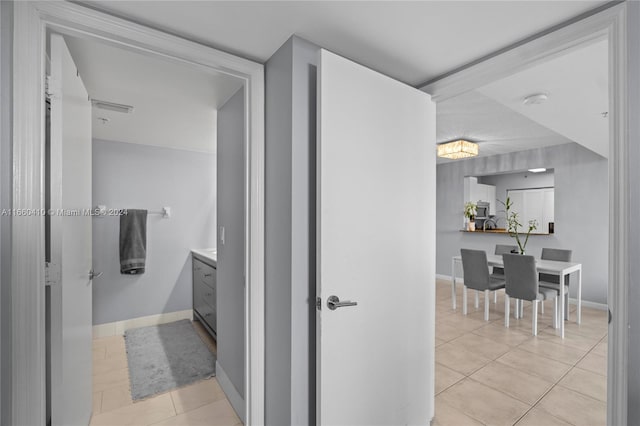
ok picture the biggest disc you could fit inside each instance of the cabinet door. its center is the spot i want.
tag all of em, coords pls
(491, 198)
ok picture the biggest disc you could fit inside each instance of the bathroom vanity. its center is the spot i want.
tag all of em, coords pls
(204, 288)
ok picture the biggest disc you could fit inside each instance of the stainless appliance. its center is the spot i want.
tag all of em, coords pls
(482, 213)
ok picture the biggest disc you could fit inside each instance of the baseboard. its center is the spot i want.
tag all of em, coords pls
(448, 278)
(119, 327)
(588, 304)
(234, 397)
(585, 303)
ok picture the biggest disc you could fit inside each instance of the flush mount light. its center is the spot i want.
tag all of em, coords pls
(458, 149)
(112, 106)
(538, 170)
(536, 99)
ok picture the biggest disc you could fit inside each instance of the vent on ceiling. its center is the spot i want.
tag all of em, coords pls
(112, 106)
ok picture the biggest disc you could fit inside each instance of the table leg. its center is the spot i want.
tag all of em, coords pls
(453, 283)
(477, 303)
(562, 312)
(579, 313)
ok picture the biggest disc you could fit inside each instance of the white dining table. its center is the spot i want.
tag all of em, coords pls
(551, 267)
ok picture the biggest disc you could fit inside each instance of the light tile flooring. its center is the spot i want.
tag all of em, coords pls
(487, 374)
(202, 403)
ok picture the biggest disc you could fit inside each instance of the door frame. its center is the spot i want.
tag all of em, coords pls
(32, 20)
(610, 24)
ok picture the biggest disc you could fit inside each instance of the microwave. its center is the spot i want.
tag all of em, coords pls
(482, 209)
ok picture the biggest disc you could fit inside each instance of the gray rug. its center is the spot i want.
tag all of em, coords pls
(166, 356)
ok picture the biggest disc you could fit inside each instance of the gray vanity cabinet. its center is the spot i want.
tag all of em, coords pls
(204, 294)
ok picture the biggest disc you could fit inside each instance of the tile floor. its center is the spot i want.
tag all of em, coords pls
(487, 374)
(202, 403)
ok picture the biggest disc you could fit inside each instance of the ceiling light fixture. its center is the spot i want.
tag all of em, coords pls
(112, 106)
(457, 149)
(536, 99)
(538, 170)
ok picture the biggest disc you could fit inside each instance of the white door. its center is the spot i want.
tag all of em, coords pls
(376, 246)
(70, 191)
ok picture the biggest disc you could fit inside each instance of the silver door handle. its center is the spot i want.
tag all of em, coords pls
(333, 303)
(93, 275)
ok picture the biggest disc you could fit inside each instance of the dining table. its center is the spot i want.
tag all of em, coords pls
(551, 267)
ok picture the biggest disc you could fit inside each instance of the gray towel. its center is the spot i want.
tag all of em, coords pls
(133, 242)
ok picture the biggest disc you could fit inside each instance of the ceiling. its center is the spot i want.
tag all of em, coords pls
(497, 128)
(412, 41)
(174, 104)
(577, 85)
(495, 116)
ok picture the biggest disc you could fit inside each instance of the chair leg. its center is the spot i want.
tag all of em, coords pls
(542, 308)
(521, 309)
(477, 304)
(507, 306)
(464, 299)
(534, 325)
(495, 297)
(516, 308)
(486, 305)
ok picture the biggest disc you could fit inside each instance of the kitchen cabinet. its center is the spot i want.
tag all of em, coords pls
(204, 293)
(533, 204)
(474, 192)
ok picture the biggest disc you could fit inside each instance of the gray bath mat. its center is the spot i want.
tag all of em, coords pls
(167, 356)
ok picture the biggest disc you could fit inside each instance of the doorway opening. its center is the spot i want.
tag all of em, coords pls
(585, 154)
(29, 325)
(132, 133)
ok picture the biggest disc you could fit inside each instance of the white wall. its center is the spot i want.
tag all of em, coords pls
(633, 74)
(138, 176)
(290, 240)
(230, 273)
(581, 210)
(6, 99)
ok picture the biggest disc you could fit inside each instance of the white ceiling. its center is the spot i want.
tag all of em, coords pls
(497, 128)
(174, 104)
(496, 118)
(413, 41)
(578, 93)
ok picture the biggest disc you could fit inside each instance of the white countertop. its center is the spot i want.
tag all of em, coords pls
(207, 253)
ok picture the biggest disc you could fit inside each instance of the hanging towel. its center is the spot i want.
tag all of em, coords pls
(133, 242)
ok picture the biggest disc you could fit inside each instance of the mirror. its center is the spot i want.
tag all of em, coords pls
(530, 191)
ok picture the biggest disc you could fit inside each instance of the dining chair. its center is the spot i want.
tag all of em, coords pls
(497, 271)
(476, 277)
(521, 279)
(553, 281)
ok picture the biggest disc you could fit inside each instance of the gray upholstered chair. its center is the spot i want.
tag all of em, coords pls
(522, 284)
(553, 281)
(497, 271)
(476, 277)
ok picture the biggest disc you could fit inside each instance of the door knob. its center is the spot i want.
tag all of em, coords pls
(93, 275)
(333, 303)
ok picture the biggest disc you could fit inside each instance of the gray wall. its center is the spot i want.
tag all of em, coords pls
(290, 239)
(6, 64)
(633, 93)
(581, 210)
(138, 176)
(230, 272)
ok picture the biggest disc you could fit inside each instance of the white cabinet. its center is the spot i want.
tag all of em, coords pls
(533, 204)
(474, 192)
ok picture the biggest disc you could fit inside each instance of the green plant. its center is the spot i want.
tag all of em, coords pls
(470, 210)
(513, 225)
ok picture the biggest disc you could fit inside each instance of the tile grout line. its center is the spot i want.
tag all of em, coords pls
(557, 383)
